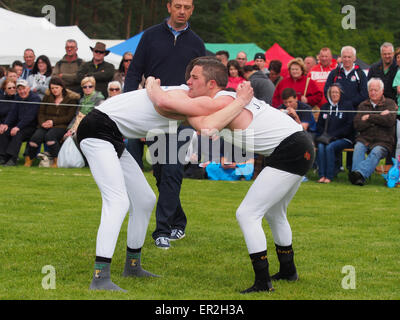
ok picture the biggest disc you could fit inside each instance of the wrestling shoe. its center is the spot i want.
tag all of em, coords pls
(176, 234)
(162, 243)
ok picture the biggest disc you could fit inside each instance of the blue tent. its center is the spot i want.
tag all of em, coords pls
(128, 45)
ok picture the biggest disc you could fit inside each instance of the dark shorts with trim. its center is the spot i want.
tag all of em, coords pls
(295, 154)
(99, 125)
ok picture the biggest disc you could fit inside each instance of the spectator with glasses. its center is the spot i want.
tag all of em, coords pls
(102, 71)
(120, 75)
(67, 67)
(91, 98)
(114, 88)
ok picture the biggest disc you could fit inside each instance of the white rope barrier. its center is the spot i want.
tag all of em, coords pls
(78, 105)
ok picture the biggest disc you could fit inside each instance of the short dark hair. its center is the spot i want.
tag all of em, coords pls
(275, 65)
(288, 93)
(222, 53)
(249, 68)
(17, 63)
(213, 69)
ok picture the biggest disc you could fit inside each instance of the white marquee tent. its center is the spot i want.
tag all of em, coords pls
(18, 32)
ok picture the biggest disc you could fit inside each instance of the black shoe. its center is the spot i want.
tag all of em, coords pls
(356, 178)
(280, 276)
(10, 163)
(2, 161)
(259, 287)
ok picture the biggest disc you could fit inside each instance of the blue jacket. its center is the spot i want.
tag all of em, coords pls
(354, 86)
(161, 55)
(24, 115)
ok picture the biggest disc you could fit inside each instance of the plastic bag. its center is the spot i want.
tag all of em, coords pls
(69, 155)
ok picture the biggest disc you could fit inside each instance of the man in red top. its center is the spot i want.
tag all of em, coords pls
(320, 72)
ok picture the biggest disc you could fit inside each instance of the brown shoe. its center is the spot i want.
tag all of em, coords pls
(28, 162)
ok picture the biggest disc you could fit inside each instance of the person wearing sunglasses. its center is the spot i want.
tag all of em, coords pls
(120, 75)
(101, 70)
(8, 92)
(91, 98)
(20, 123)
(114, 88)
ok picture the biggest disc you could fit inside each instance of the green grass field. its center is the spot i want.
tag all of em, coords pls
(51, 216)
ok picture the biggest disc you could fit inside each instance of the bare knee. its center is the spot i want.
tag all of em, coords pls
(33, 144)
(50, 143)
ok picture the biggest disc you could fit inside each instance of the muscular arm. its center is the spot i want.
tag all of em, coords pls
(222, 118)
(178, 102)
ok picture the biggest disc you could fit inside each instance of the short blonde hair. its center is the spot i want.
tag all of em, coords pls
(88, 79)
(299, 62)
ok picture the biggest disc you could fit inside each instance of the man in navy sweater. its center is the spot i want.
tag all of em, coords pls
(20, 124)
(351, 78)
(164, 51)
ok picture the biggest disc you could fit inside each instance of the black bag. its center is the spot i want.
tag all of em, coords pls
(323, 138)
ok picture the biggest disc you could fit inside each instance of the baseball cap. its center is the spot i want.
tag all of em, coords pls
(259, 55)
(22, 82)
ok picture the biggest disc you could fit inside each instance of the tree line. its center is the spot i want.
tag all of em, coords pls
(302, 27)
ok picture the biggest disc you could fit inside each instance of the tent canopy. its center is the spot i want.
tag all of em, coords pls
(234, 48)
(20, 32)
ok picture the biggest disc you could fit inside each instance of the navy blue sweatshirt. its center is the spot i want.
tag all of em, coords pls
(24, 115)
(161, 55)
(340, 125)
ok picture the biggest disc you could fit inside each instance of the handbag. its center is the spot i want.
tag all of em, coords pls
(69, 155)
(324, 138)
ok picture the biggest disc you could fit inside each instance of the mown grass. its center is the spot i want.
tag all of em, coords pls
(51, 216)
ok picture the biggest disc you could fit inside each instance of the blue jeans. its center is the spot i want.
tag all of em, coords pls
(367, 166)
(326, 157)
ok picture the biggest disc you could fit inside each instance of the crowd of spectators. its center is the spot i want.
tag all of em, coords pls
(40, 104)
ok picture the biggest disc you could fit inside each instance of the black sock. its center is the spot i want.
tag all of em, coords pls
(102, 260)
(286, 260)
(260, 266)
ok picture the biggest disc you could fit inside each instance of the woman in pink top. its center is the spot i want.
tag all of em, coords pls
(235, 74)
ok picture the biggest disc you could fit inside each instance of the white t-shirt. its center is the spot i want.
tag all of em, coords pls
(267, 130)
(135, 116)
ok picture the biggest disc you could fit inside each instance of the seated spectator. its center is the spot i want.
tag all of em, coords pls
(114, 88)
(120, 75)
(67, 67)
(52, 121)
(8, 93)
(101, 70)
(223, 56)
(262, 85)
(376, 132)
(306, 89)
(235, 74)
(274, 69)
(299, 111)
(40, 76)
(19, 125)
(337, 126)
(396, 87)
(91, 98)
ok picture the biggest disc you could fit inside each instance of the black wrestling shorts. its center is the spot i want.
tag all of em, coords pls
(295, 154)
(99, 125)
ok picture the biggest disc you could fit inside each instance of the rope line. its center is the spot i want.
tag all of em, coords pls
(79, 105)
